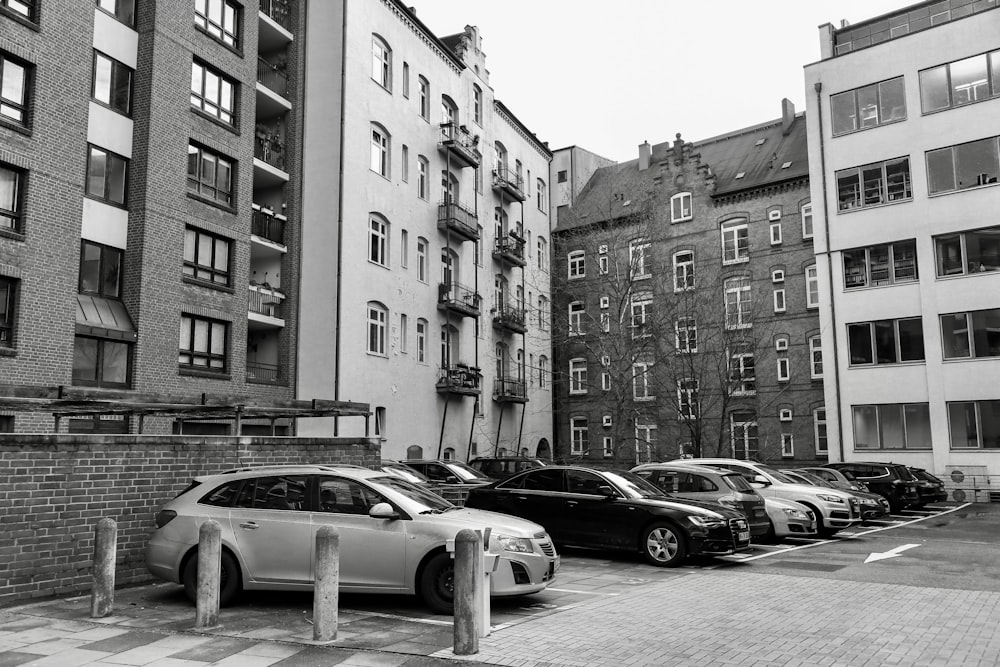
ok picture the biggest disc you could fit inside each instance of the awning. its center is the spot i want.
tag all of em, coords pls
(104, 318)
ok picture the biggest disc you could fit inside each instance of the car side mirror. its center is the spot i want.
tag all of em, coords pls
(606, 491)
(760, 479)
(383, 511)
(451, 479)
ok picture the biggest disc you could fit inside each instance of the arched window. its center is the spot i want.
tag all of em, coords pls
(449, 110)
(737, 301)
(378, 240)
(543, 253)
(502, 360)
(422, 184)
(449, 345)
(378, 315)
(381, 62)
(683, 270)
(449, 187)
(500, 223)
(425, 97)
(576, 310)
(422, 259)
(414, 452)
(448, 454)
(379, 150)
(501, 157)
(735, 241)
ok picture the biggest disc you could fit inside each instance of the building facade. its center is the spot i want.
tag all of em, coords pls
(903, 146)
(425, 255)
(686, 307)
(148, 228)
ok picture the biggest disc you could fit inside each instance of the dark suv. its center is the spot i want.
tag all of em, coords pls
(892, 481)
(503, 467)
(929, 487)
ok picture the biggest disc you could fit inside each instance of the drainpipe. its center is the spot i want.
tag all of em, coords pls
(829, 269)
(340, 222)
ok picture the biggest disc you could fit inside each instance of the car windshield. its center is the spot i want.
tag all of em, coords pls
(738, 483)
(633, 485)
(424, 500)
(465, 473)
(781, 477)
(816, 480)
(405, 472)
(904, 474)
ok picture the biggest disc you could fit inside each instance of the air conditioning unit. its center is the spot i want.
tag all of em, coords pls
(774, 215)
(781, 345)
(602, 249)
(785, 415)
(607, 420)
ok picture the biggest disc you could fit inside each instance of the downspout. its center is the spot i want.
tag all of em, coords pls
(340, 221)
(829, 270)
(304, 9)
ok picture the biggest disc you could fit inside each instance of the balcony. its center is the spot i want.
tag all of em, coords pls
(510, 318)
(510, 250)
(265, 307)
(458, 299)
(509, 182)
(509, 390)
(266, 225)
(459, 219)
(272, 76)
(263, 373)
(274, 25)
(457, 142)
(460, 380)
(269, 158)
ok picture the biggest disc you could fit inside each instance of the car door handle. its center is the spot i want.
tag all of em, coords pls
(572, 503)
(249, 526)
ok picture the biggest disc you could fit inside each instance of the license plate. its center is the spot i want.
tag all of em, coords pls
(743, 536)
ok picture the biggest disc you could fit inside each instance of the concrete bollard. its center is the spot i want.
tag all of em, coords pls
(209, 574)
(468, 588)
(102, 590)
(326, 593)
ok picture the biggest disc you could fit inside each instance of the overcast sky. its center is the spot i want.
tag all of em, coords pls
(608, 75)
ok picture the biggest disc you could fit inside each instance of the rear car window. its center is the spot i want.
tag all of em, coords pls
(286, 492)
(737, 483)
(223, 496)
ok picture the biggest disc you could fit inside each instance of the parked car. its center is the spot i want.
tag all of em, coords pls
(834, 509)
(710, 485)
(393, 535)
(403, 471)
(872, 505)
(788, 519)
(448, 472)
(602, 509)
(502, 467)
(892, 481)
(929, 487)
(842, 479)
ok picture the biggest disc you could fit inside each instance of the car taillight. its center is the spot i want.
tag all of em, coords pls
(163, 517)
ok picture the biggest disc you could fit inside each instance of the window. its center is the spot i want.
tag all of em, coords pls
(642, 389)
(605, 381)
(422, 259)
(578, 435)
(965, 253)
(98, 362)
(219, 18)
(737, 300)
(11, 197)
(964, 166)
(378, 241)
(543, 371)
(879, 265)
(477, 104)
(106, 176)
(213, 93)
(778, 276)
(742, 374)
(203, 344)
(680, 207)
(422, 177)
(405, 164)
(868, 106)
(806, 212)
(640, 259)
(25, 8)
(812, 287)
(206, 256)
(787, 446)
(743, 434)
(425, 98)
(403, 333)
(886, 341)
(378, 315)
(892, 426)
(608, 446)
(645, 441)
(874, 184)
(380, 151)
(961, 82)
(775, 233)
(687, 398)
(381, 63)
(784, 369)
(686, 335)
(561, 176)
(602, 265)
(14, 83)
(735, 242)
(578, 376)
(819, 430)
(971, 335)
(210, 175)
(576, 310)
(543, 313)
(815, 357)
(642, 306)
(779, 300)
(404, 248)
(543, 254)
(575, 261)
(112, 83)
(974, 424)
(421, 340)
(8, 288)
(406, 80)
(683, 271)
(123, 10)
(605, 322)
(542, 196)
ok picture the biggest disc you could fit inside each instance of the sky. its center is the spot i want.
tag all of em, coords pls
(607, 76)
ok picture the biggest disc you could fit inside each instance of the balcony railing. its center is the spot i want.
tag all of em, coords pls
(460, 144)
(509, 317)
(509, 181)
(267, 373)
(459, 299)
(459, 379)
(510, 250)
(266, 301)
(509, 390)
(272, 77)
(459, 219)
(269, 147)
(267, 225)
(278, 11)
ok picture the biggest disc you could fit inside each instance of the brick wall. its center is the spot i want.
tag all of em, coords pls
(55, 488)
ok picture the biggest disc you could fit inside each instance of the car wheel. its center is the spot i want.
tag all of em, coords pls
(230, 582)
(822, 529)
(770, 536)
(437, 585)
(663, 545)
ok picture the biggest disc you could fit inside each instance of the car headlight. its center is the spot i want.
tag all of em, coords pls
(521, 545)
(831, 499)
(796, 514)
(869, 501)
(706, 522)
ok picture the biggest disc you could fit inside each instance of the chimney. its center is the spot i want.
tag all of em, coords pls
(787, 116)
(413, 10)
(644, 155)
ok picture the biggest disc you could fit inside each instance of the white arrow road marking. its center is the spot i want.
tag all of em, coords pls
(891, 553)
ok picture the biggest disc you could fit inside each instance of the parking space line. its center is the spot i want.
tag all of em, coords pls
(400, 617)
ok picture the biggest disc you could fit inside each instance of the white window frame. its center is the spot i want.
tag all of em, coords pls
(403, 327)
(681, 207)
(641, 307)
(381, 63)
(781, 344)
(775, 233)
(543, 253)
(606, 322)
(377, 319)
(576, 267)
(422, 246)
(779, 301)
(602, 265)
(421, 341)
(578, 435)
(816, 348)
(785, 414)
(379, 151)
(690, 328)
(683, 270)
(787, 445)
(778, 276)
(425, 97)
(639, 258)
(806, 212)
(819, 424)
(575, 310)
(812, 286)
(577, 376)
(744, 381)
(641, 381)
(737, 296)
(748, 451)
(784, 369)
(732, 232)
(423, 187)
(645, 436)
(605, 381)
(543, 369)
(378, 241)
(608, 446)
(477, 104)
(605, 302)
(687, 398)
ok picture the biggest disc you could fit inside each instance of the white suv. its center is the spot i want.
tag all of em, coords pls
(834, 509)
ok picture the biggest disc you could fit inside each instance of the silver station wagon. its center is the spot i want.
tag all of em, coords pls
(393, 535)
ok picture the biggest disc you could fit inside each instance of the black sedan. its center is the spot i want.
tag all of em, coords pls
(586, 507)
